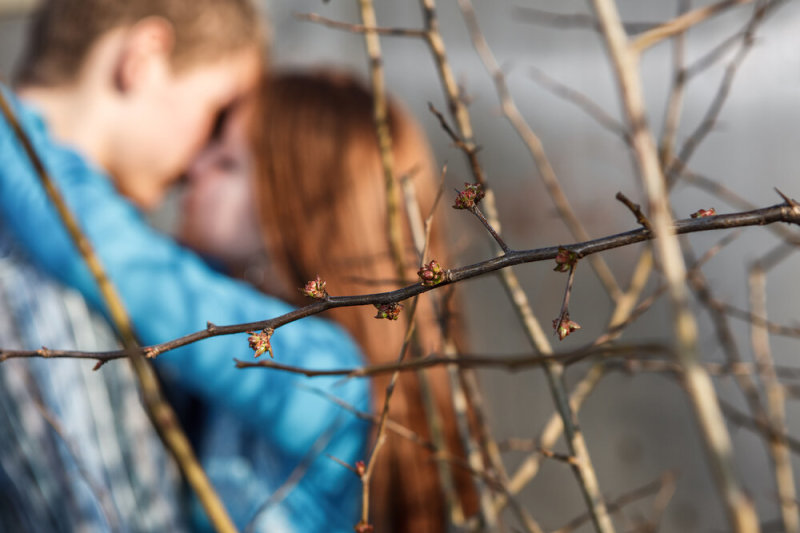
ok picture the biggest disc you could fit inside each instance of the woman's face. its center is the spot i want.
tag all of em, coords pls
(218, 212)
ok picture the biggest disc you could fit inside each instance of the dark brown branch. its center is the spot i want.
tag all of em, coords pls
(636, 209)
(757, 217)
(498, 239)
(469, 149)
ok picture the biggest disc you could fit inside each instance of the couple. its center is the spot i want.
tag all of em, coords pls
(118, 98)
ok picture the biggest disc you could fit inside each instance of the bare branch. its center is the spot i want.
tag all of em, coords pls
(570, 20)
(359, 28)
(680, 24)
(624, 57)
(757, 217)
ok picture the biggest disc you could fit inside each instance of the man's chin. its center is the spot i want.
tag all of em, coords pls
(146, 197)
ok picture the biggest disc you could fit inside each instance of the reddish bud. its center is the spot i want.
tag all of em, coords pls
(315, 289)
(469, 197)
(361, 468)
(260, 342)
(702, 213)
(431, 274)
(565, 260)
(363, 527)
(564, 326)
(389, 311)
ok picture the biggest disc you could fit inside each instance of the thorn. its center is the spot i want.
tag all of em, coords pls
(789, 201)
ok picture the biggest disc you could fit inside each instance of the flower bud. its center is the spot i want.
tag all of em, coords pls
(470, 196)
(260, 342)
(389, 311)
(702, 213)
(565, 260)
(315, 289)
(563, 326)
(431, 274)
(361, 468)
(363, 527)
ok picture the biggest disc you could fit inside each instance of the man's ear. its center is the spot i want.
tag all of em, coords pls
(146, 48)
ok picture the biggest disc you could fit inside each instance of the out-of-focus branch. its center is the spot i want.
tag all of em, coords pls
(672, 113)
(570, 20)
(15, 8)
(551, 432)
(107, 505)
(380, 438)
(650, 489)
(776, 409)
(359, 28)
(624, 56)
(712, 114)
(584, 470)
(380, 115)
(420, 234)
(680, 24)
(512, 363)
(159, 410)
(534, 145)
(580, 100)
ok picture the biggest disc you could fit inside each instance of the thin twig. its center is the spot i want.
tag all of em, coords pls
(636, 209)
(107, 506)
(680, 24)
(709, 120)
(672, 113)
(654, 487)
(580, 100)
(534, 145)
(359, 28)
(584, 471)
(421, 233)
(776, 409)
(380, 438)
(570, 20)
(511, 363)
(380, 111)
(551, 432)
(499, 240)
(297, 473)
(757, 217)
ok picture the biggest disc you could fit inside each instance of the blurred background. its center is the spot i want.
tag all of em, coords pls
(636, 426)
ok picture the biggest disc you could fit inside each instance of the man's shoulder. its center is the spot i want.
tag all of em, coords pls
(63, 162)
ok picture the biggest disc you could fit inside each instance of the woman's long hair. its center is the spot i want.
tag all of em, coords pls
(322, 198)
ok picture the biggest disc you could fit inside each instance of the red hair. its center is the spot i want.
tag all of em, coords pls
(321, 187)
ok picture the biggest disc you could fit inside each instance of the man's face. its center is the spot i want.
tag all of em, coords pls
(171, 119)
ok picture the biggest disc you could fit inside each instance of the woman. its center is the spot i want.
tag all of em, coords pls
(316, 197)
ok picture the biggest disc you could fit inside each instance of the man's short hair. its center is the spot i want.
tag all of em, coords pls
(63, 32)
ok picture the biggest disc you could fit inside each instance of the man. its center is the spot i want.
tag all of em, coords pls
(117, 97)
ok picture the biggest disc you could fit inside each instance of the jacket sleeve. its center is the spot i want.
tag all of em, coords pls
(168, 292)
